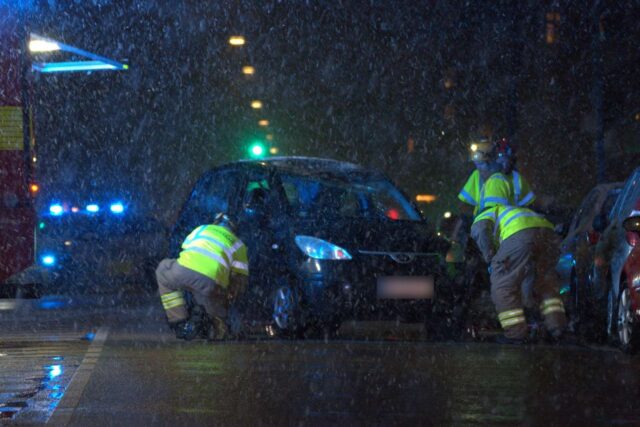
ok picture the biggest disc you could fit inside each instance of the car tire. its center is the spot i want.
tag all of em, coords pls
(287, 313)
(626, 327)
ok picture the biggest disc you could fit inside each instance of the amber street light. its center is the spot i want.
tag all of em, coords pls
(263, 122)
(248, 70)
(256, 104)
(273, 150)
(269, 137)
(236, 40)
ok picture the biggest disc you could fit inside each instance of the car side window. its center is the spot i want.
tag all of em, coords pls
(629, 195)
(210, 195)
(583, 214)
(612, 196)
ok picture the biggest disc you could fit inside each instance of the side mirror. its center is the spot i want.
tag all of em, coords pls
(632, 227)
(599, 223)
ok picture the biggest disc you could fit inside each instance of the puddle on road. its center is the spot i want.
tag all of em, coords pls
(36, 402)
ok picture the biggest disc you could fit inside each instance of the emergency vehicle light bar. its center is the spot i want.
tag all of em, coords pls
(39, 44)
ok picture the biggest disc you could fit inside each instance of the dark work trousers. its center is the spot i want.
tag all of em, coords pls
(523, 274)
(173, 279)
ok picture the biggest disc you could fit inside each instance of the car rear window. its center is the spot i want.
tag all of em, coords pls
(330, 197)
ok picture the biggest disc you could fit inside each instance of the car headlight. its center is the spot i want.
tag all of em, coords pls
(321, 249)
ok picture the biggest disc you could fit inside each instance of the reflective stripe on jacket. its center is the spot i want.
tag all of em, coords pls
(214, 251)
(523, 195)
(470, 192)
(508, 220)
(501, 189)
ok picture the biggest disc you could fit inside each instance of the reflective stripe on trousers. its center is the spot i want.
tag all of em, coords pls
(551, 305)
(510, 318)
(172, 300)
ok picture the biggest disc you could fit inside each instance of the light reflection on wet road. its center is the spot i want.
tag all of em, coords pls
(145, 377)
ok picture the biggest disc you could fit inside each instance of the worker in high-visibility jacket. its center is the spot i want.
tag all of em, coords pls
(522, 248)
(490, 158)
(213, 266)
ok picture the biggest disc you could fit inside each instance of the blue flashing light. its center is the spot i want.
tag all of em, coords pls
(117, 208)
(51, 304)
(60, 67)
(321, 249)
(93, 208)
(48, 260)
(56, 209)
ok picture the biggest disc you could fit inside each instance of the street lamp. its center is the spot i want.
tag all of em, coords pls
(40, 45)
(273, 150)
(269, 137)
(248, 70)
(263, 122)
(236, 41)
(256, 104)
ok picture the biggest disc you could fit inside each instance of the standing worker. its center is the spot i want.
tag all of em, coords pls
(482, 152)
(466, 265)
(527, 253)
(489, 158)
(213, 266)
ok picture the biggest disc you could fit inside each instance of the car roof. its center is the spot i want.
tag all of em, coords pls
(298, 165)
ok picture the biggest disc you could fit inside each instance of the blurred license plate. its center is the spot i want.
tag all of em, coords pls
(405, 287)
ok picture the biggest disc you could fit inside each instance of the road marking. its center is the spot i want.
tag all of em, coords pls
(62, 414)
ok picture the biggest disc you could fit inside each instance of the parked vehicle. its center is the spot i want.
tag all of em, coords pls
(327, 241)
(577, 249)
(628, 316)
(609, 282)
(91, 246)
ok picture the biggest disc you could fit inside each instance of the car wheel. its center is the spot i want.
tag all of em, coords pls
(287, 312)
(626, 325)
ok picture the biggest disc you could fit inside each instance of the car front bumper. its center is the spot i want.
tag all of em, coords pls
(349, 289)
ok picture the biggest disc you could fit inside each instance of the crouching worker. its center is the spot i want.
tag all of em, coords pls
(213, 267)
(522, 250)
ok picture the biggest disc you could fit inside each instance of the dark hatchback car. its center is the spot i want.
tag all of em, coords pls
(327, 241)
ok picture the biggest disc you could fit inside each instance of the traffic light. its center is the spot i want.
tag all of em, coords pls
(257, 149)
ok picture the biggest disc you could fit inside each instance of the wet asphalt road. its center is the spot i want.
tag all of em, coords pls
(99, 362)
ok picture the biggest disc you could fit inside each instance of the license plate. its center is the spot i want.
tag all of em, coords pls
(405, 287)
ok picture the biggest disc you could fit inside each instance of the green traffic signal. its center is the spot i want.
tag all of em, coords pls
(257, 149)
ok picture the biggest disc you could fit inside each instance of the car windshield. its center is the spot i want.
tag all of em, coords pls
(311, 197)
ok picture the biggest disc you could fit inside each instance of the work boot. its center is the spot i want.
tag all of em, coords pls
(218, 331)
(186, 330)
